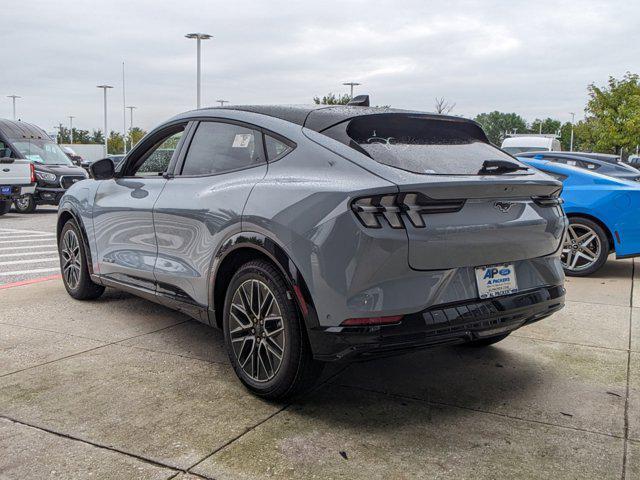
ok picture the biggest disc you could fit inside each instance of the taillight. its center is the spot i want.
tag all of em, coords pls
(373, 211)
(33, 173)
(548, 201)
(369, 321)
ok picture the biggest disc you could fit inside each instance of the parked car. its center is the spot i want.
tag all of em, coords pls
(604, 216)
(634, 161)
(528, 142)
(53, 170)
(588, 162)
(312, 234)
(73, 156)
(17, 177)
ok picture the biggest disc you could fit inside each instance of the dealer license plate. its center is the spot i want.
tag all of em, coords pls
(496, 280)
(5, 190)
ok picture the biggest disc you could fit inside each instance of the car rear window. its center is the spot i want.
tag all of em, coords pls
(421, 144)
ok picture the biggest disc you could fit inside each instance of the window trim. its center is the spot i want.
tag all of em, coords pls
(291, 144)
(136, 159)
(196, 123)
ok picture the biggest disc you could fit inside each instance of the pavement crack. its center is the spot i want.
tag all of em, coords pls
(95, 444)
(626, 397)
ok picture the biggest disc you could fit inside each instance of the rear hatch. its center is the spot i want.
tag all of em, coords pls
(462, 201)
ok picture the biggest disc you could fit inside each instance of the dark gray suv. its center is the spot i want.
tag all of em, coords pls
(313, 234)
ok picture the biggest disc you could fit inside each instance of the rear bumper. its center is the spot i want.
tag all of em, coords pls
(439, 325)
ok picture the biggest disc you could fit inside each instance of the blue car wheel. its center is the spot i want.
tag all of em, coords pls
(585, 248)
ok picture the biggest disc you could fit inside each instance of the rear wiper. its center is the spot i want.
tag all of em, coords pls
(496, 167)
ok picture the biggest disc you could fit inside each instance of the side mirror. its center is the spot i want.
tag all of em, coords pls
(102, 169)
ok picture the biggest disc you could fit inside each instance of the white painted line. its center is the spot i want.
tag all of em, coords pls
(12, 235)
(11, 230)
(23, 247)
(27, 254)
(27, 272)
(31, 260)
(24, 240)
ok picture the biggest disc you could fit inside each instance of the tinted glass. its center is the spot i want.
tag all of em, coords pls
(275, 148)
(426, 145)
(158, 161)
(221, 147)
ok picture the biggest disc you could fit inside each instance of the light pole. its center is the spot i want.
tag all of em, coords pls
(106, 135)
(131, 109)
(351, 84)
(71, 117)
(222, 102)
(199, 37)
(13, 97)
(573, 117)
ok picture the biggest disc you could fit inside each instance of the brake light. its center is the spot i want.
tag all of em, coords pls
(33, 172)
(369, 321)
(548, 201)
(394, 207)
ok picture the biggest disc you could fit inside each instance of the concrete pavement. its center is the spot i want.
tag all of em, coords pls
(123, 388)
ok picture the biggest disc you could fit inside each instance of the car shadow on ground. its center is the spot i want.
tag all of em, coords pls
(484, 378)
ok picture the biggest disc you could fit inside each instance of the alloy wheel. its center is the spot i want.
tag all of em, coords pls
(257, 331)
(22, 202)
(71, 256)
(581, 248)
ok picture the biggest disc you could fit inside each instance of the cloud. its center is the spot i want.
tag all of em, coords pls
(535, 58)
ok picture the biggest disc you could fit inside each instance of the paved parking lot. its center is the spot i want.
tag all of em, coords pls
(28, 245)
(123, 388)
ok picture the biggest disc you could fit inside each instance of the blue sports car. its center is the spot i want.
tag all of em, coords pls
(604, 216)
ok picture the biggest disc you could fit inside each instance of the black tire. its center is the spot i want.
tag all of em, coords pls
(485, 342)
(600, 244)
(83, 288)
(297, 370)
(5, 206)
(25, 204)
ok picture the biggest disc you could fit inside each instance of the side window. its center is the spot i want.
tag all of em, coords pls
(275, 148)
(221, 147)
(157, 161)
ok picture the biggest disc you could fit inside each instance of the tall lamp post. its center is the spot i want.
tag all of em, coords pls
(71, 117)
(222, 102)
(13, 97)
(131, 109)
(106, 135)
(351, 84)
(199, 37)
(573, 117)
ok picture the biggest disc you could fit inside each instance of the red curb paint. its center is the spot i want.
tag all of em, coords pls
(29, 282)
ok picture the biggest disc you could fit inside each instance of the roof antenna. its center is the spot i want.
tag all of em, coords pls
(359, 101)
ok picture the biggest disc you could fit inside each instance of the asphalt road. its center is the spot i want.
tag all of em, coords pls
(28, 245)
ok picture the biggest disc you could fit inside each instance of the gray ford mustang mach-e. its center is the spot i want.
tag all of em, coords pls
(317, 233)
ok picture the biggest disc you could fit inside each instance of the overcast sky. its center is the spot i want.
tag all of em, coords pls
(533, 58)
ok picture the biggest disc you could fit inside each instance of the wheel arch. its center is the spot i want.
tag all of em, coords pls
(63, 217)
(246, 246)
(602, 225)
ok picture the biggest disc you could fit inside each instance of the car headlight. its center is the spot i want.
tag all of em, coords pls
(47, 177)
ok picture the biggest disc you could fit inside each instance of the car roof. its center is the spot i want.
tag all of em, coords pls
(563, 168)
(321, 117)
(588, 155)
(14, 129)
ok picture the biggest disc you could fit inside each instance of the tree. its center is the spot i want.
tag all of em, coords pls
(97, 136)
(549, 126)
(115, 143)
(443, 106)
(612, 116)
(332, 99)
(497, 124)
(135, 135)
